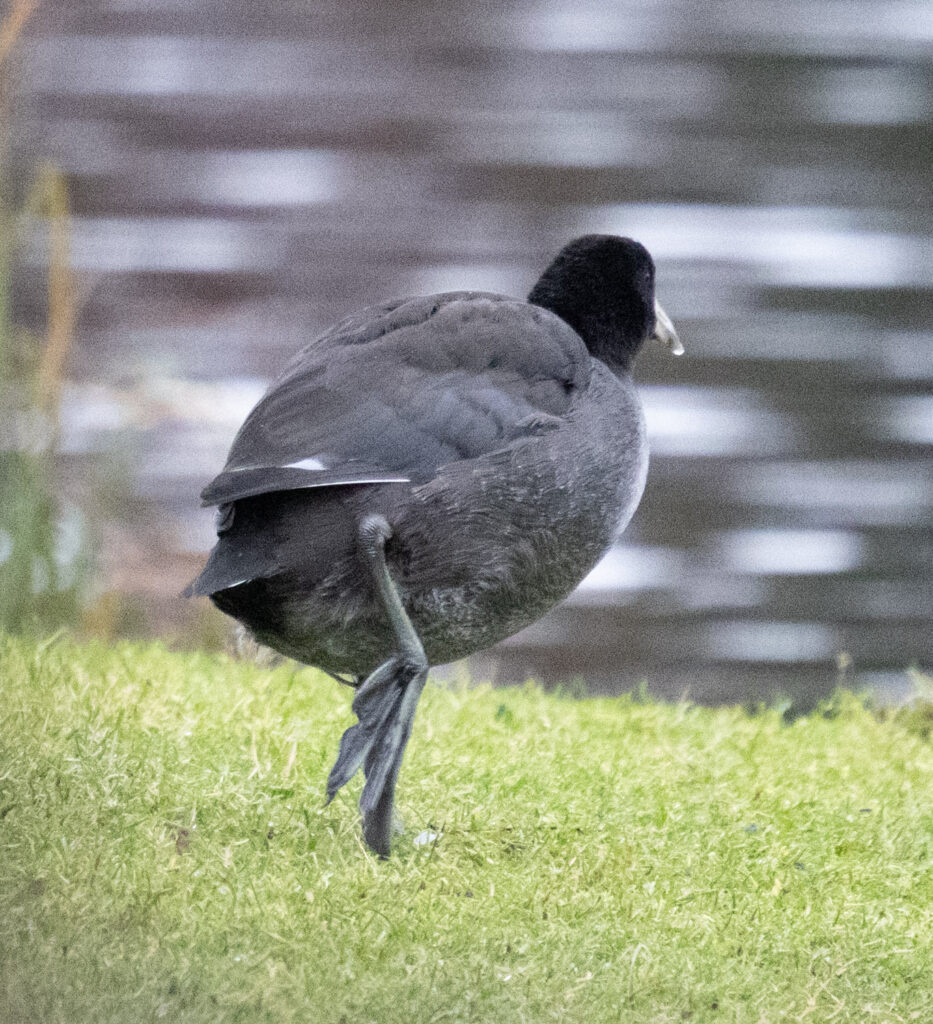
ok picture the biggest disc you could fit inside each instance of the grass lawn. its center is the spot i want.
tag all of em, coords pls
(165, 855)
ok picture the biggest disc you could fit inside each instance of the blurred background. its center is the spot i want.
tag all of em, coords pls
(191, 189)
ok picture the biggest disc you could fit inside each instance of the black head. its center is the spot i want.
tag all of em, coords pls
(603, 286)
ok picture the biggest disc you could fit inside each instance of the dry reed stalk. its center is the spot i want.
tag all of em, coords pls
(53, 196)
(11, 28)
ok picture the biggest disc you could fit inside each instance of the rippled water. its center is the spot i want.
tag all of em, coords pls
(244, 174)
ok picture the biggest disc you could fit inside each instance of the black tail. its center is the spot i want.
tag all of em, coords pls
(231, 563)
(245, 550)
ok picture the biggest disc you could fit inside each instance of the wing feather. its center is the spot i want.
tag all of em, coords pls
(398, 391)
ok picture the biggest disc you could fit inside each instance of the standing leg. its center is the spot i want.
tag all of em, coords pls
(385, 703)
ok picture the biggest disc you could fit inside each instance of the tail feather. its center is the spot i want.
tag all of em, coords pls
(228, 566)
(238, 557)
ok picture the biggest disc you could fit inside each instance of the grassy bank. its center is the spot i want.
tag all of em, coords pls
(165, 855)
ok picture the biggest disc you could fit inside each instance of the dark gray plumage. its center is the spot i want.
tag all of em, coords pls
(428, 477)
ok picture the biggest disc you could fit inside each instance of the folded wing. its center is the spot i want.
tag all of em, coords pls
(400, 390)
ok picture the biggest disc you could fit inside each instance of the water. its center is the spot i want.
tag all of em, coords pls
(244, 174)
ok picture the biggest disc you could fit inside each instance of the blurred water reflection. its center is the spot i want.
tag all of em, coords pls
(244, 174)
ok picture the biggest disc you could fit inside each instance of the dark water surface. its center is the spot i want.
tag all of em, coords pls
(243, 174)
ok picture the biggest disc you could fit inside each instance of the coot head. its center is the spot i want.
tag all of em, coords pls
(603, 286)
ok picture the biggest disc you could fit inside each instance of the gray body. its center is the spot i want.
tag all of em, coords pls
(515, 486)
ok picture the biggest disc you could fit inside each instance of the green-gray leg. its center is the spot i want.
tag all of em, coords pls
(385, 703)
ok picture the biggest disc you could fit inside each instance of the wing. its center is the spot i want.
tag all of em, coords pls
(400, 390)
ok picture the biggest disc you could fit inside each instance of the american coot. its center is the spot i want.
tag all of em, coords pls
(428, 477)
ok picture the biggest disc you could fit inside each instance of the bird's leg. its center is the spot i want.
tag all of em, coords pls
(384, 704)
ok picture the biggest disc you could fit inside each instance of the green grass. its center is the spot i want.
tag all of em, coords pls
(165, 855)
